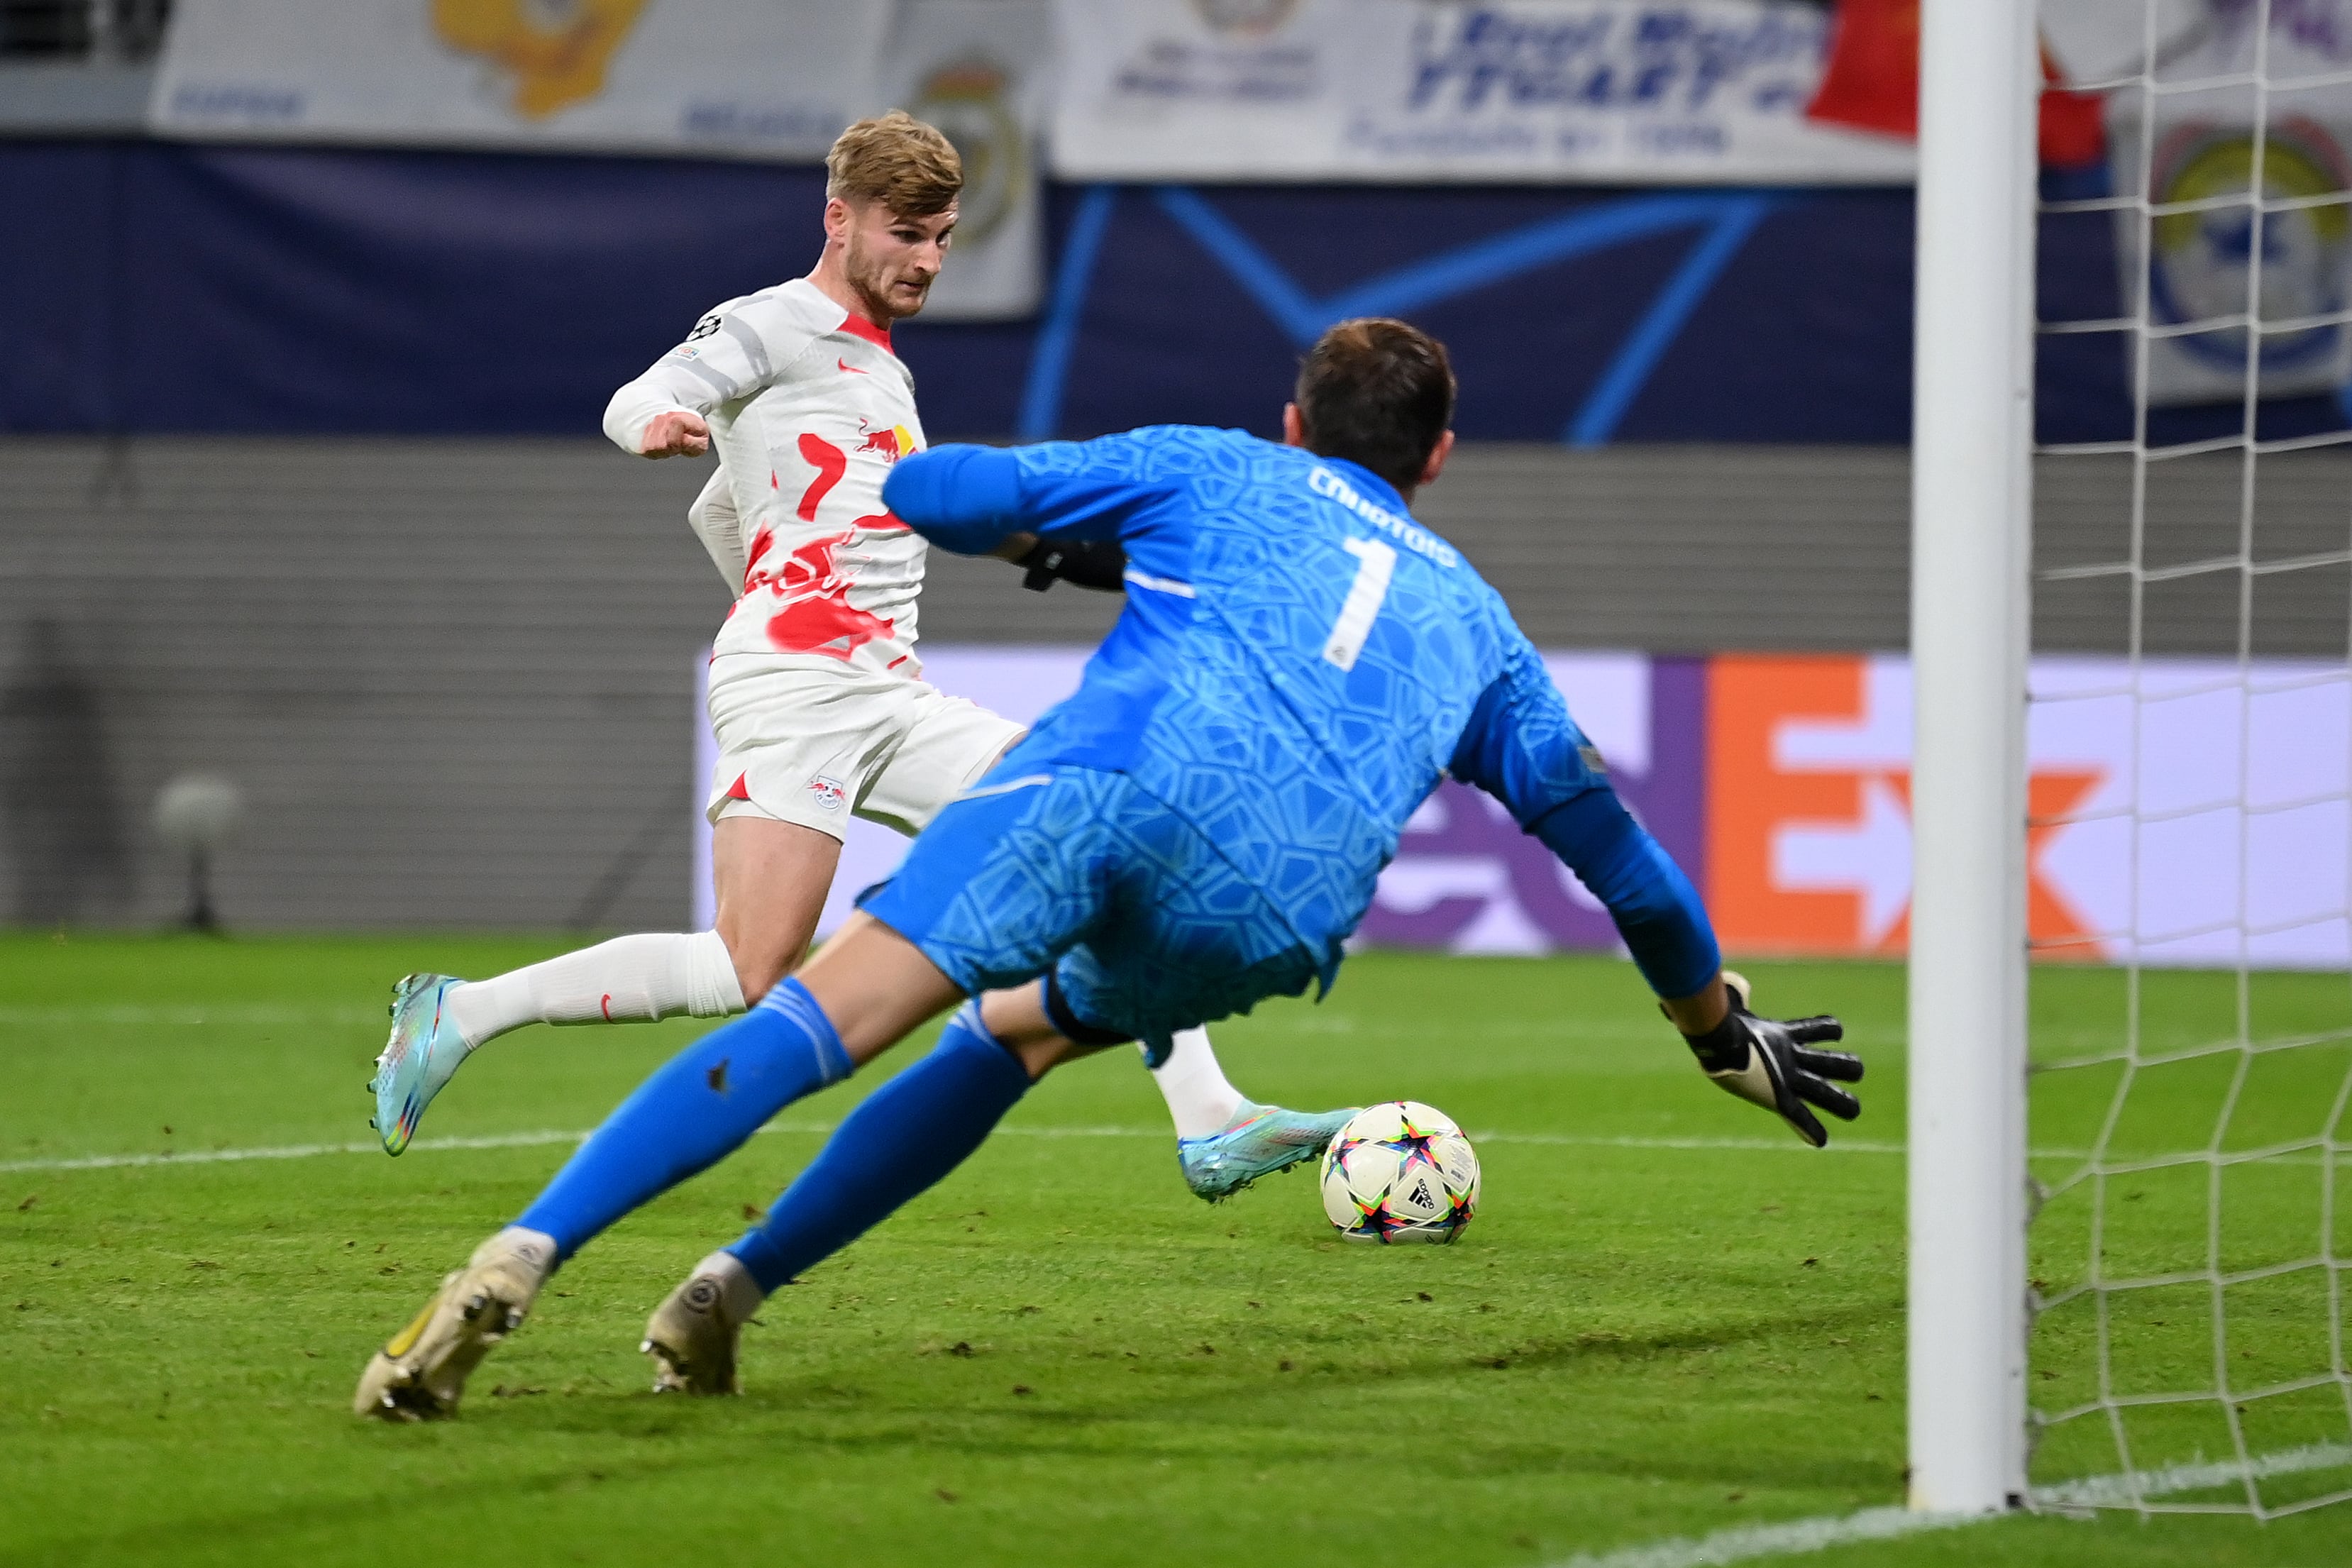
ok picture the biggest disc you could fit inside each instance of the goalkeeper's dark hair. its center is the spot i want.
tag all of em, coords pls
(1376, 392)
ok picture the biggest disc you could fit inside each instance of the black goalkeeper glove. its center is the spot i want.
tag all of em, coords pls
(1099, 564)
(1771, 1064)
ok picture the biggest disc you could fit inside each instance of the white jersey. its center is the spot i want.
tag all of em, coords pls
(808, 409)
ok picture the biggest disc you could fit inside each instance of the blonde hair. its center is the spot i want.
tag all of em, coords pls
(898, 161)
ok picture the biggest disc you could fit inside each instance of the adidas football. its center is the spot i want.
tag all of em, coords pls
(1399, 1171)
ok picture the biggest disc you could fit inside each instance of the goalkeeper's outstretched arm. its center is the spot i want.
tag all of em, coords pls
(1770, 1063)
(977, 500)
(1521, 746)
(973, 500)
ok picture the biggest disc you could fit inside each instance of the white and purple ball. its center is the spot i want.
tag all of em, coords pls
(1399, 1171)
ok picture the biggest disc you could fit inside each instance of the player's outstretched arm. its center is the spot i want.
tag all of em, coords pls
(1099, 564)
(975, 500)
(1096, 564)
(1521, 746)
(732, 353)
(1763, 1061)
(680, 433)
(1774, 1063)
(659, 414)
(962, 497)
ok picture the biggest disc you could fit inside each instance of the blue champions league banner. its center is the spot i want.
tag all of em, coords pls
(161, 287)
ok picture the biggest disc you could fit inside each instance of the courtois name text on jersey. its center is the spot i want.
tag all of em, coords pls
(809, 409)
(1298, 663)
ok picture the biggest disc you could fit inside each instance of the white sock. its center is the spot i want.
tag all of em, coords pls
(630, 979)
(738, 1291)
(1195, 1086)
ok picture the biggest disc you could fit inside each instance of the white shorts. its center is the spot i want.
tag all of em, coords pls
(816, 746)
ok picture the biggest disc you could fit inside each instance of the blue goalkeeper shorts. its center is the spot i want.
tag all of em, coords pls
(1146, 927)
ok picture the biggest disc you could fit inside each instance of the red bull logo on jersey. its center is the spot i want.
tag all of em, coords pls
(827, 793)
(894, 443)
(814, 614)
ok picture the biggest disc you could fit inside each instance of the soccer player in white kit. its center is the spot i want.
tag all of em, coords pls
(816, 696)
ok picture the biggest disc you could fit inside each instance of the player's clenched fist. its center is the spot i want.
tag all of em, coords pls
(676, 434)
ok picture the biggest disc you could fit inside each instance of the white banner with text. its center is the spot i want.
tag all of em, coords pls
(707, 77)
(773, 80)
(1604, 90)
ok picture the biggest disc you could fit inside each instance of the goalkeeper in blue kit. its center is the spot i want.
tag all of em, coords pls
(1198, 829)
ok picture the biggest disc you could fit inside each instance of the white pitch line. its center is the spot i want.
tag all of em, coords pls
(1790, 1540)
(185, 1014)
(547, 1136)
(1748, 1544)
(282, 1151)
(2121, 1491)
(1754, 1543)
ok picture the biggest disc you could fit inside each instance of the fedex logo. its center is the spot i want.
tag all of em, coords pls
(1809, 811)
(2180, 811)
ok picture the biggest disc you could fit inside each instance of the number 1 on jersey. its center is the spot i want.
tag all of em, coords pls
(1376, 563)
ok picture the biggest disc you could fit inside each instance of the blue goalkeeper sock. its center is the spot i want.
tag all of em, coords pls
(902, 1139)
(698, 1108)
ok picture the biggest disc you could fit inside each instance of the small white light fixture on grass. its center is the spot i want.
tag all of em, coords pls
(195, 814)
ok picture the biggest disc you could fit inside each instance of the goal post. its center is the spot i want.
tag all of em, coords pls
(1971, 539)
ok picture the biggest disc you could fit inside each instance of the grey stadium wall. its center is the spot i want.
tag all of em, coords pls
(454, 678)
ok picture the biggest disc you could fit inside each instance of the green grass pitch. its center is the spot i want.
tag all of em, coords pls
(1668, 1319)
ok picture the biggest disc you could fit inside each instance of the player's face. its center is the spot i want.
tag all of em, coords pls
(891, 259)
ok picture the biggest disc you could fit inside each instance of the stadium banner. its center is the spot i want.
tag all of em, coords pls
(981, 70)
(2194, 262)
(774, 79)
(765, 79)
(1810, 850)
(1706, 91)
(1781, 784)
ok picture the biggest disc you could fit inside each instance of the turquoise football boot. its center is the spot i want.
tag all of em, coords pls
(424, 1051)
(1259, 1140)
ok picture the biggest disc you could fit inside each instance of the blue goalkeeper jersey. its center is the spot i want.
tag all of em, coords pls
(1298, 662)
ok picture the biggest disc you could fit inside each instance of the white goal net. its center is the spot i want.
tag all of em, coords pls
(2191, 1150)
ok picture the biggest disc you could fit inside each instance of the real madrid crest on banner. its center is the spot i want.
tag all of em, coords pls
(977, 70)
(967, 99)
(2206, 255)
